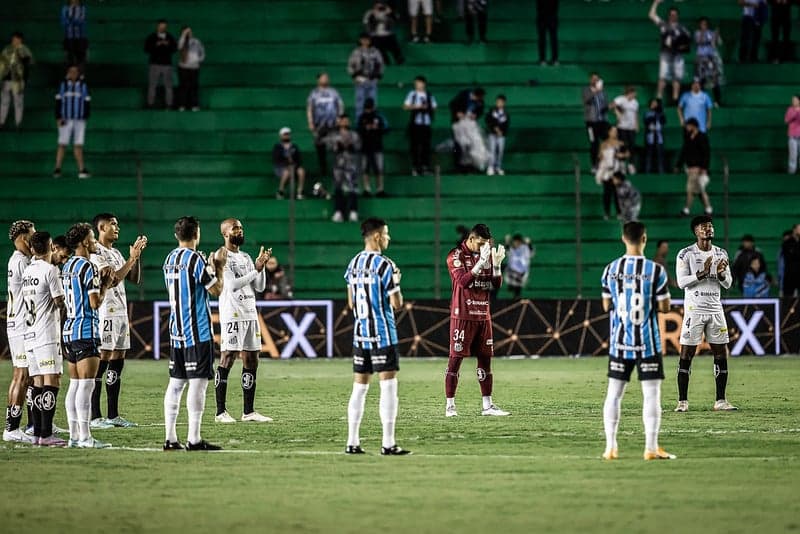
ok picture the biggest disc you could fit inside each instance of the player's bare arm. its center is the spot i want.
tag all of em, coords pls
(217, 262)
(134, 265)
(107, 279)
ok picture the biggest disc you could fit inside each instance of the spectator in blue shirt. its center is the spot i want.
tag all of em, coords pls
(696, 104)
(756, 281)
(76, 42)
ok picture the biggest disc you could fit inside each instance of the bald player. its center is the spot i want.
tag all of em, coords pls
(238, 317)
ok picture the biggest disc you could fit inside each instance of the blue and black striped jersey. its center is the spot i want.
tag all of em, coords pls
(72, 100)
(187, 284)
(635, 285)
(370, 283)
(79, 278)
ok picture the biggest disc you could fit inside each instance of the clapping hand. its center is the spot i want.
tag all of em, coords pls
(707, 265)
(721, 266)
(138, 246)
(263, 257)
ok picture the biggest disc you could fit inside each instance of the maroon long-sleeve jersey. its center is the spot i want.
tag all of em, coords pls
(470, 301)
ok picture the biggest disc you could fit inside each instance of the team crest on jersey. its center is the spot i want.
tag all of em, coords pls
(457, 346)
(455, 311)
(489, 342)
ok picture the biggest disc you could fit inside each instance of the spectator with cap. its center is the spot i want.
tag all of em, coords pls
(365, 66)
(696, 104)
(286, 162)
(743, 258)
(372, 126)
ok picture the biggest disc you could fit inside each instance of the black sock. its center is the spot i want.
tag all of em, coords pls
(684, 370)
(98, 388)
(249, 389)
(48, 402)
(113, 385)
(221, 387)
(29, 404)
(721, 375)
(36, 409)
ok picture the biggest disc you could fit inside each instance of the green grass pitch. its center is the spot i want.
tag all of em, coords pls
(538, 470)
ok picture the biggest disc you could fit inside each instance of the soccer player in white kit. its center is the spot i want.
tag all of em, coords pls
(44, 306)
(19, 233)
(241, 333)
(702, 272)
(115, 336)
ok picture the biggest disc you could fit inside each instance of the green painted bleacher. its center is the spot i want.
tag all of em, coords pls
(215, 163)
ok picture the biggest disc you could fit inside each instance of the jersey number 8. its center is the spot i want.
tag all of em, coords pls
(635, 312)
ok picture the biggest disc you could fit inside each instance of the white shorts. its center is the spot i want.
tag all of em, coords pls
(74, 130)
(241, 335)
(45, 360)
(713, 325)
(115, 333)
(16, 346)
(670, 67)
(414, 7)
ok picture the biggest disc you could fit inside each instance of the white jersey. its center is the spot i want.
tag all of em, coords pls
(41, 285)
(702, 296)
(241, 282)
(15, 322)
(115, 302)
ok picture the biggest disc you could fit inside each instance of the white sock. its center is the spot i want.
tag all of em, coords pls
(388, 410)
(355, 410)
(487, 402)
(172, 403)
(651, 412)
(83, 407)
(72, 413)
(195, 404)
(451, 402)
(611, 410)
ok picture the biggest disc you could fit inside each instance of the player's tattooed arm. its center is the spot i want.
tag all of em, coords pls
(132, 269)
(216, 265)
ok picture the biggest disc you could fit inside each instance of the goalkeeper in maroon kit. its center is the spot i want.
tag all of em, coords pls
(474, 271)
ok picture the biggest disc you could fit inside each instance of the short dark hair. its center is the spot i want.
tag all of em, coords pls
(161, 21)
(40, 242)
(18, 228)
(186, 228)
(373, 224)
(19, 35)
(77, 233)
(693, 122)
(482, 231)
(748, 237)
(501, 96)
(421, 78)
(619, 175)
(661, 242)
(675, 9)
(61, 242)
(364, 35)
(369, 103)
(479, 92)
(634, 231)
(700, 219)
(101, 217)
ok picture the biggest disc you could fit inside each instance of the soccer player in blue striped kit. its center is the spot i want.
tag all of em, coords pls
(634, 289)
(373, 293)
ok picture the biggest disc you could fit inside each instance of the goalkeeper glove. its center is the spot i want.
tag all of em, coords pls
(498, 255)
(483, 261)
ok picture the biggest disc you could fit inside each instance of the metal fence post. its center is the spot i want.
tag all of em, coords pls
(578, 236)
(437, 233)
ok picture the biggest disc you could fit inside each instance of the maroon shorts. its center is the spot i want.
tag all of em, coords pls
(471, 338)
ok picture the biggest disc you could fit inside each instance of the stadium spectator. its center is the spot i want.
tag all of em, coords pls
(595, 111)
(466, 108)
(791, 263)
(696, 104)
(613, 155)
(415, 8)
(660, 257)
(286, 161)
(160, 47)
(781, 24)
(628, 198)
(754, 16)
(76, 42)
(520, 252)
(278, 287)
(379, 23)
(72, 111)
(365, 66)
(675, 43)
(372, 126)
(192, 55)
(345, 145)
(792, 120)
(422, 106)
(744, 256)
(476, 11)
(696, 156)
(756, 281)
(626, 108)
(708, 67)
(654, 121)
(547, 23)
(323, 106)
(15, 62)
(780, 265)
(497, 123)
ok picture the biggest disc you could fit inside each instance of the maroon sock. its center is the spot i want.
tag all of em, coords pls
(485, 375)
(451, 377)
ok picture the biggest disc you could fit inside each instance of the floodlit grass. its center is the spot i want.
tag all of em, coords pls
(538, 470)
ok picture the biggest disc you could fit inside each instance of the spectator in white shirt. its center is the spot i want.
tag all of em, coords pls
(192, 54)
(626, 108)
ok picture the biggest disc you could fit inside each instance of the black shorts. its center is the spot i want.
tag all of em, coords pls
(368, 361)
(650, 368)
(192, 362)
(80, 349)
